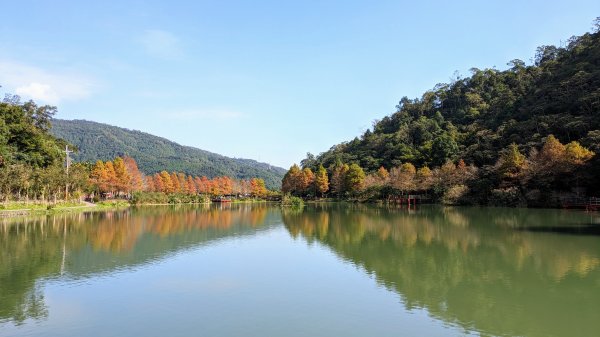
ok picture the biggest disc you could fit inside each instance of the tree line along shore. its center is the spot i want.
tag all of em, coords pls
(517, 180)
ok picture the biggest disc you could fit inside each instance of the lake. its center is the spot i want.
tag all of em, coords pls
(329, 270)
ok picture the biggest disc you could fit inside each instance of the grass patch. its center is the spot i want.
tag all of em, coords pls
(291, 201)
(36, 205)
(116, 203)
(247, 200)
(158, 198)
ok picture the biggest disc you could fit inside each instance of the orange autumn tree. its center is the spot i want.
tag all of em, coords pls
(382, 173)
(149, 184)
(167, 183)
(215, 187)
(175, 182)
(122, 177)
(99, 176)
(137, 178)
(111, 176)
(119, 176)
(226, 185)
(207, 185)
(257, 188)
(200, 184)
(191, 186)
(308, 179)
(245, 187)
(293, 181)
(159, 186)
(182, 182)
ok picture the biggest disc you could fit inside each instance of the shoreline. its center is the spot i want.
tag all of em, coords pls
(101, 206)
(122, 204)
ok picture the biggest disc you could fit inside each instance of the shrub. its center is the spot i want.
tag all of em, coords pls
(139, 198)
(455, 194)
(291, 201)
(510, 197)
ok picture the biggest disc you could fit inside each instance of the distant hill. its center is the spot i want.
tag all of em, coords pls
(97, 141)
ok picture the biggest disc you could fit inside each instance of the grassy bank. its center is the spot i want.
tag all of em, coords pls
(20, 208)
(17, 208)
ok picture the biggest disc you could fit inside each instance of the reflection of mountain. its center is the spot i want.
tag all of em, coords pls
(470, 266)
(81, 245)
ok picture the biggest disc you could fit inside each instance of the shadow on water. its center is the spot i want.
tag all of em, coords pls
(591, 230)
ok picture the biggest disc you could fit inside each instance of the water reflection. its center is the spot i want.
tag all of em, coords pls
(86, 244)
(505, 272)
(471, 267)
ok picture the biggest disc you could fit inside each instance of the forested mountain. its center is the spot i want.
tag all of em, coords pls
(527, 135)
(476, 117)
(97, 141)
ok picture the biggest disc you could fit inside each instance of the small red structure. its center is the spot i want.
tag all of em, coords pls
(593, 204)
(589, 204)
(410, 199)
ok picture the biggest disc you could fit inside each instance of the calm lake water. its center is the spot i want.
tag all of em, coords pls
(336, 270)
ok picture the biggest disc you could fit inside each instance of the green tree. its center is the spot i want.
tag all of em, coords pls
(577, 154)
(511, 162)
(321, 181)
(444, 148)
(355, 178)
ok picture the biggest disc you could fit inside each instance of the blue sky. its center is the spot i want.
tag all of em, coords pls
(267, 80)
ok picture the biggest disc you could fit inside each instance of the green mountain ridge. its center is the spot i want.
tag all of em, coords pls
(98, 141)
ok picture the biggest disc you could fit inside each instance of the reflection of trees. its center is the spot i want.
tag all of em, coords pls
(470, 266)
(119, 231)
(81, 244)
(22, 262)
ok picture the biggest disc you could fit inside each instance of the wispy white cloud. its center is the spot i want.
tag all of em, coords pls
(44, 86)
(38, 91)
(204, 114)
(161, 44)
